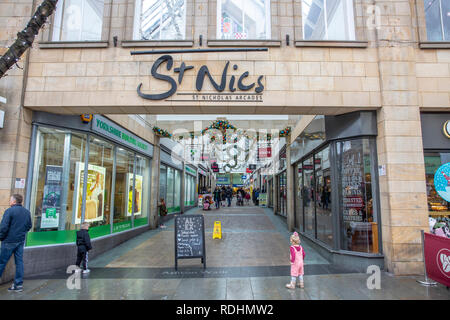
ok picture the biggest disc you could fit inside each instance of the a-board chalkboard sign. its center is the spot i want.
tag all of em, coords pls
(190, 238)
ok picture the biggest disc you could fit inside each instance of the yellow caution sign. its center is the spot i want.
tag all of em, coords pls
(217, 230)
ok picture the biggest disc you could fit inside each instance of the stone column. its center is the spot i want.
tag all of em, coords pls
(289, 187)
(154, 198)
(403, 196)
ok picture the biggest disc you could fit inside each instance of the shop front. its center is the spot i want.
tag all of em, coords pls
(66, 152)
(336, 187)
(436, 144)
(170, 173)
(190, 189)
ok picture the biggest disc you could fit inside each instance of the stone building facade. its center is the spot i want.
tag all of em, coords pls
(390, 67)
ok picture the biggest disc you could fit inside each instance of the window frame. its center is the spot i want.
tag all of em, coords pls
(424, 43)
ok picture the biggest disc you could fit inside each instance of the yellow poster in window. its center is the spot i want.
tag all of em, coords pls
(95, 192)
(138, 194)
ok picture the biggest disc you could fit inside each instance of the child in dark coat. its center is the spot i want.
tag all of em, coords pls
(83, 246)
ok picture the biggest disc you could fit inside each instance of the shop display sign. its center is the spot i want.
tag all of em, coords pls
(442, 181)
(437, 258)
(191, 171)
(233, 84)
(137, 196)
(264, 153)
(190, 238)
(51, 203)
(95, 193)
(352, 181)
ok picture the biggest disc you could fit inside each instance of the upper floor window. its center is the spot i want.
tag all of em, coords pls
(437, 16)
(160, 20)
(243, 19)
(78, 20)
(328, 20)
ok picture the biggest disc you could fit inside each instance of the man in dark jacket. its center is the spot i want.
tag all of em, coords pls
(16, 222)
(229, 194)
(83, 246)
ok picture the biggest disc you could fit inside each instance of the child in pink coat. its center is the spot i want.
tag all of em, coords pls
(297, 257)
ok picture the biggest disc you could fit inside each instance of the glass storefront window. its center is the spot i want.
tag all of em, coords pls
(123, 193)
(142, 190)
(160, 20)
(299, 198)
(323, 196)
(177, 191)
(163, 183)
(437, 19)
(58, 188)
(170, 189)
(243, 19)
(357, 220)
(328, 20)
(309, 196)
(437, 206)
(78, 20)
(99, 186)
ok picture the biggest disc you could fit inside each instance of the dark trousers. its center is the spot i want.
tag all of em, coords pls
(82, 259)
(7, 250)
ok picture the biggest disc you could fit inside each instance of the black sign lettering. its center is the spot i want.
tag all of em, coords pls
(156, 75)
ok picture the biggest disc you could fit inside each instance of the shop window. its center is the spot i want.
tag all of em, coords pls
(160, 20)
(78, 20)
(437, 16)
(177, 191)
(243, 19)
(170, 189)
(299, 198)
(359, 226)
(52, 207)
(142, 190)
(123, 192)
(309, 196)
(438, 206)
(328, 20)
(163, 183)
(323, 196)
(99, 186)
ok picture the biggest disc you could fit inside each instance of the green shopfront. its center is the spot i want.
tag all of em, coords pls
(115, 163)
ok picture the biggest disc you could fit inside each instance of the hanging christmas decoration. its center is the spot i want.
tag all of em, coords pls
(161, 132)
(285, 132)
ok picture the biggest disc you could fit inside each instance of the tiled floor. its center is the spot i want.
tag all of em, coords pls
(249, 262)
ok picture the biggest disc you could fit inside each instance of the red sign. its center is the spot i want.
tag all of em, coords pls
(249, 171)
(265, 152)
(437, 258)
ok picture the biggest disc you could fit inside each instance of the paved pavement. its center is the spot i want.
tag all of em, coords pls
(251, 261)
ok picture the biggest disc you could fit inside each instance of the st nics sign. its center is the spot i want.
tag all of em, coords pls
(235, 83)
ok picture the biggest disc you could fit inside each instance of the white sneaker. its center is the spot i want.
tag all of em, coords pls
(86, 271)
(77, 270)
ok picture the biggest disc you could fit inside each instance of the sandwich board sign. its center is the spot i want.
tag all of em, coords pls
(190, 238)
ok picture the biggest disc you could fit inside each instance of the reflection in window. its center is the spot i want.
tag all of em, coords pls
(243, 19)
(309, 196)
(123, 193)
(78, 20)
(142, 190)
(299, 198)
(328, 20)
(437, 16)
(323, 196)
(358, 222)
(160, 20)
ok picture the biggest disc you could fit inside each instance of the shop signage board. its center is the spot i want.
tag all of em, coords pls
(51, 202)
(447, 128)
(109, 129)
(437, 258)
(190, 171)
(190, 238)
(238, 88)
